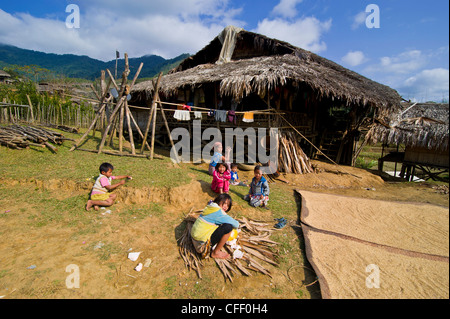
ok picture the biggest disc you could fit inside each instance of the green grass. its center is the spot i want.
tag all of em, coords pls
(79, 166)
(23, 170)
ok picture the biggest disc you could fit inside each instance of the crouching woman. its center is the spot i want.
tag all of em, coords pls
(213, 227)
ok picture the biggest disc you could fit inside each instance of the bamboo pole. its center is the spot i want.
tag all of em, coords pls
(116, 109)
(167, 128)
(31, 108)
(97, 116)
(151, 114)
(138, 129)
(122, 112)
(130, 130)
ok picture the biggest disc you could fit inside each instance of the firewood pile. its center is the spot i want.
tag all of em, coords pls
(64, 128)
(256, 250)
(20, 137)
(292, 159)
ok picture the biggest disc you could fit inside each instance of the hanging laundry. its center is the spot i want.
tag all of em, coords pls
(187, 107)
(248, 117)
(197, 115)
(181, 115)
(212, 112)
(232, 117)
(221, 116)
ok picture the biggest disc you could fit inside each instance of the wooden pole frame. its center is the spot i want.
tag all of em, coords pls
(121, 109)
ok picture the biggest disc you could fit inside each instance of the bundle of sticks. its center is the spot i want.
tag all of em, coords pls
(292, 159)
(253, 240)
(19, 137)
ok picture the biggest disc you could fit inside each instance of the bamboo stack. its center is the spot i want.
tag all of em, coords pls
(19, 137)
(292, 159)
(254, 241)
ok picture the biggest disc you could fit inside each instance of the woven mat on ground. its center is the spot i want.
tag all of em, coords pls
(365, 248)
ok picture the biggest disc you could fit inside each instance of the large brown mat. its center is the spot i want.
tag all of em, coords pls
(363, 248)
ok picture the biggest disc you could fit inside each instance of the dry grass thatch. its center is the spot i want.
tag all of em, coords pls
(253, 240)
(261, 64)
(422, 125)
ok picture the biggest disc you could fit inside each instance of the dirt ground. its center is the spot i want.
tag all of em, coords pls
(35, 262)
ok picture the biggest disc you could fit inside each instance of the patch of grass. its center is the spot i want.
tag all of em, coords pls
(104, 250)
(282, 202)
(169, 286)
(361, 162)
(69, 210)
(136, 213)
(202, 289)
(80, 166)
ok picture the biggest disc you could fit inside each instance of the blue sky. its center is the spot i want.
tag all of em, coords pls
(408, 52)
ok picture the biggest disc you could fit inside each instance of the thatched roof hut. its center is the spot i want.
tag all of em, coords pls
(255, 72)
(4, 76)
(422, 129)
(418, 125)
(259, 64)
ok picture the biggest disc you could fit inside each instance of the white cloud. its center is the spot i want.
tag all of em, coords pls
(303, 32)
(427, 85)
(354, 58)
(164, 27)
(358, 20)
(414, 74)
(403, 63)
(286, 8)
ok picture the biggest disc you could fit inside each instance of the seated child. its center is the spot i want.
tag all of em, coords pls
(100, 195)
(258, 194)
(234, 176)
(213, 227)
(221, 179)
(218, 157)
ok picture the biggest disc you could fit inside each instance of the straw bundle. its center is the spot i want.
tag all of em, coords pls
(253, 239)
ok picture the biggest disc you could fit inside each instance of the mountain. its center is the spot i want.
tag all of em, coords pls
(84, 67)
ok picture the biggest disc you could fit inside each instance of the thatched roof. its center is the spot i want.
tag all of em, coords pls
(423, 125)
(260, 64)
(4, 74)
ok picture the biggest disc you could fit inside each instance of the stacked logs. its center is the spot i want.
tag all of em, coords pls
(253, 239)
(19, 137)
(292, 159)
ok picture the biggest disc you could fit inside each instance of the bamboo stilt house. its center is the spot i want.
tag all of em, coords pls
(282, 85)
(423, 130)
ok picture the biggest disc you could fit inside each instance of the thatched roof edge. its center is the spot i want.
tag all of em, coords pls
(257, 75)
(424, 125)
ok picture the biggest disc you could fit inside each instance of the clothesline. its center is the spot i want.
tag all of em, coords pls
(207, 110)
(178, 104)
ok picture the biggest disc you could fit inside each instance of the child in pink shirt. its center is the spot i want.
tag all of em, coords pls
(100, 195)
(221, 179)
